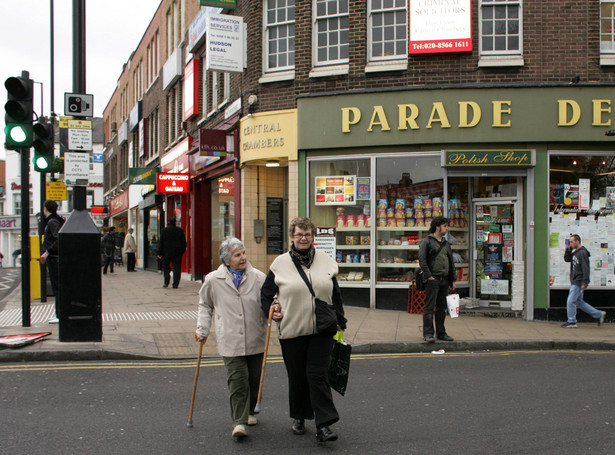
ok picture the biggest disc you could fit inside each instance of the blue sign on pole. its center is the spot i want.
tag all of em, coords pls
(98, 158)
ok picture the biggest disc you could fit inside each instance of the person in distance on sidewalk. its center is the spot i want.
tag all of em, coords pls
(436, 261)
(130, 248)
(233, 293)
(171, 248)
(578, 256)
(108, 247)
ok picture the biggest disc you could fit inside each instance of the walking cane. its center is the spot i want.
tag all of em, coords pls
(257, 408)
(196, 378)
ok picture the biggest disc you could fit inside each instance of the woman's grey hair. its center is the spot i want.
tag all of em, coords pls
(227, 247)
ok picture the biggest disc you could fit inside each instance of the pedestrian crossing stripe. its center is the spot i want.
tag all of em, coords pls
(41, 313)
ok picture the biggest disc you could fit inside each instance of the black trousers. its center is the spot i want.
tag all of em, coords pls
(435, 297)
(108, 263)
(307, 361)
(130, 261)
(53, 267)
(175, 264)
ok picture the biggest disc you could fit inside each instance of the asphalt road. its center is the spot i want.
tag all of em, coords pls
(10, 278)
(455, 403)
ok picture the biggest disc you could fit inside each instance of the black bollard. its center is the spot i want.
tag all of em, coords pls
(80, 290)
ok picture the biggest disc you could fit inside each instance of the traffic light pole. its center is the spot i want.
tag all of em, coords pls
(25, 236)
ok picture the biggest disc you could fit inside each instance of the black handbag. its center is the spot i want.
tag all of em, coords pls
(326, 319)
(339, 367)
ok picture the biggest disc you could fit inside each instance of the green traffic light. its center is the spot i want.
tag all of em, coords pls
(42, 163)
(16, 133)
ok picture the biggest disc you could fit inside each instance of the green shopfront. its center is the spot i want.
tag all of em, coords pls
(516, 170)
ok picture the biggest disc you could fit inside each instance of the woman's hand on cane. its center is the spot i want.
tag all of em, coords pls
(199, 338)
(277, 312)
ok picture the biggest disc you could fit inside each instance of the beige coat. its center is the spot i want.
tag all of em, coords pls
(240, 323)
(130, 246)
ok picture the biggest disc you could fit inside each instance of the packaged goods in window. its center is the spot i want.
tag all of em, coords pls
(409, 222)
(364, 258)
(437, 202)
(400, 213)
(368, 221)
(390, 213)
(427, 213)
(382, 222)
(358, 276)
(419, 213)
(350, 220)
(427, 203)
(340, 221)
(383, 204)
(418, 203)
(420, 222)
(437, 211)
(409, 212)
(428, 221)
(413, 239)
(351, 276)
(400, 203)
(401, 222)
(356, 258)
(340, 211)
(360, 220)
(352, 240)
(339, 256)
(382, 213)
(365, 239)
(391, 222)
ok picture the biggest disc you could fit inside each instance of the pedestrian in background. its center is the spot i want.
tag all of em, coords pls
(233, 292)
(53, 223)
(436, 262)
(1, 258)
(108, 247)
(578, 256)
(130, 248)
(307, 353)
(171, 248)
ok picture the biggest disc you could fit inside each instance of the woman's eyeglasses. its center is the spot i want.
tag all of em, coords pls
(300, 236)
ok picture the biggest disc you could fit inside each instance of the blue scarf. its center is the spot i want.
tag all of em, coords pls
(237, 276)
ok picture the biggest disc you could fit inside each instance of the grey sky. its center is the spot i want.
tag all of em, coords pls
(113, 30)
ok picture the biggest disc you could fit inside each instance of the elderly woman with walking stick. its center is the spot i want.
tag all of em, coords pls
(306, 345)
(233, 291)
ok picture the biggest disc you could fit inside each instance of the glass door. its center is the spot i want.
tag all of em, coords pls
(494, 251)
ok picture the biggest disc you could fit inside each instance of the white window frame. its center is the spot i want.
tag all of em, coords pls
(607, 56)
(500, 57)
(371, 14)
(267, 28)
(340, 62)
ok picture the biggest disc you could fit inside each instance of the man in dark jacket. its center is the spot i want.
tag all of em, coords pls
(53, 223)
(171, 248)
(578, 256)
(436, 261)
(108, 247)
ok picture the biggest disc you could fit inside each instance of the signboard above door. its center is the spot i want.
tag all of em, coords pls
(488, 158)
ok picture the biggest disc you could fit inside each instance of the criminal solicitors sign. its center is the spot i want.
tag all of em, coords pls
(172, 183)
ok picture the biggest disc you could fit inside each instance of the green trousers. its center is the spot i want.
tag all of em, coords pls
(243, 377)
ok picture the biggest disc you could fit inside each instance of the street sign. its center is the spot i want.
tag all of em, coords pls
(76, 168)
(56, 191)
(79, 104)
(80, 139)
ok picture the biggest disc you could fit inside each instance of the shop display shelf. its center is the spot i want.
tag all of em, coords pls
(462, 264)
(353, 247)
(398, 265)
(398, 247)
(353, 229)
(354, 264)
(404, 229)
(353, 284)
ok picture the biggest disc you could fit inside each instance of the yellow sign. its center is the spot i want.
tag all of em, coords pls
(269, 135)
(56, 191)
(63, 122)
(80, 124)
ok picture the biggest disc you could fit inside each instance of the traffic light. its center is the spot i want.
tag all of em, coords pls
(18, 112)
(43, 146)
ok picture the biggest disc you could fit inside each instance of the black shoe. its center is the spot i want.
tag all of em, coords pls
(299, 426)
(445, 337)
(324, 434)
(175, 287)
(165, 285)
(429, 339)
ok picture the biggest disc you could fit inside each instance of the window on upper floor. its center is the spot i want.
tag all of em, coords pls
(607, 32)
(500, 35)
(174, 25)
(174, 112)
(151, 148)
(137, 82)
(387, 29)
(152, 59)
(279, 35)
(216, 91)
(331, 32)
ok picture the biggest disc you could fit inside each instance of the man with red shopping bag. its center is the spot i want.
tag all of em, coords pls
(436, 262)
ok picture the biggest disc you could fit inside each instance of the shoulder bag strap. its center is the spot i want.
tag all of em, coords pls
(302, 273)
(442, 245)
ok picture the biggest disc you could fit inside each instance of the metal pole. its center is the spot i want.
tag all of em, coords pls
(79, 192)
(25, 235)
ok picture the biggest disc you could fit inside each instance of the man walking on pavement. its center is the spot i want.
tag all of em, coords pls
(436, 262)
(53, 223)
(171, 248)
(108, 247)
(130, 248)
(578, 256)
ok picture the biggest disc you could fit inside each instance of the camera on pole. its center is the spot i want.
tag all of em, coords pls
(18, 112)
(43, 146)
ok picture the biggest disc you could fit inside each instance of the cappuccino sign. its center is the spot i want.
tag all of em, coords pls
(172, 183)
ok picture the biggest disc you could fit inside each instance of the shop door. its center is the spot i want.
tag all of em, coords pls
(152, 236)
(495, 244)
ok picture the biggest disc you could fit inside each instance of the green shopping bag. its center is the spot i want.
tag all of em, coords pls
(340, 364)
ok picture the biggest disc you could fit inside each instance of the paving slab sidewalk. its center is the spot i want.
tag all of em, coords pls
(143, 320)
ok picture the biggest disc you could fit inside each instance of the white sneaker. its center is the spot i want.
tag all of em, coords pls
(239, 431)
(53, 321)
(112, 273)
(252, 420)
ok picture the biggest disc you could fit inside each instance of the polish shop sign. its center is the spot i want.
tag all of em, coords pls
(172, 183)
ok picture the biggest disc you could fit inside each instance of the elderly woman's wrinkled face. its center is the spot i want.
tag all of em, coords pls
(238, 260)
(302, 239)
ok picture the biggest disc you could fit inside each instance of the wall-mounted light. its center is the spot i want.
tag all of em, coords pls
(272, 163)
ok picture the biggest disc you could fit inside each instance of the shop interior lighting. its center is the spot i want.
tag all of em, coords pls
(272, 163)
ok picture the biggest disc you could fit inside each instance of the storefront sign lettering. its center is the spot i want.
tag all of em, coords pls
(172, 183)
(508, 158)
(469, 115)
(226, 185)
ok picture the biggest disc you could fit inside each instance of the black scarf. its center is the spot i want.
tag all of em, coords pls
(305, 257)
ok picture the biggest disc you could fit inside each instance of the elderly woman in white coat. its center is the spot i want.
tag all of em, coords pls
(233, 291)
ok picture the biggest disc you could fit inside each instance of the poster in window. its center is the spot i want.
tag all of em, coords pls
(571, 195)
(494, 270)
(336, 190)
(495, 237)
(363, 188)
(494, 253)
(610, 197)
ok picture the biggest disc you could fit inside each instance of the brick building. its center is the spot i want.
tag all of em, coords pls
(379, 115)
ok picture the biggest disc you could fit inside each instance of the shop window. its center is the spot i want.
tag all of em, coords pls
(500, 33)
(582, 201)
(222, 214)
